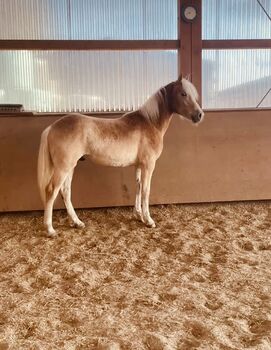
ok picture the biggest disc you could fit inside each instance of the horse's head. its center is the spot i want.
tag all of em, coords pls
(183, 100)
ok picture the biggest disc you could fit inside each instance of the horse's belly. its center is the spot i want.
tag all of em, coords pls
(118, 157)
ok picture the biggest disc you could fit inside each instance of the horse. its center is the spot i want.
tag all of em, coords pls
(136, 138)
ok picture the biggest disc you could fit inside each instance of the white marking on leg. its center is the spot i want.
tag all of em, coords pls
(48, 213)
(55, 185)
(147, 172)
(137, 209)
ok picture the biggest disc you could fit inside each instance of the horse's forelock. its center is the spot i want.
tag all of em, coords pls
(190, 88)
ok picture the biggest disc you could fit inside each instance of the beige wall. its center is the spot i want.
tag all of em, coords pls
(226, 158)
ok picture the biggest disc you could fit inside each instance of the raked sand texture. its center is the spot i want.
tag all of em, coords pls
(200, 280)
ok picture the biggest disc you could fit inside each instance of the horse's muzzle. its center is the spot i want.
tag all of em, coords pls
(197, 117)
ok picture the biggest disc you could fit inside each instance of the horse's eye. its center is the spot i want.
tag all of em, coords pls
(184, 94)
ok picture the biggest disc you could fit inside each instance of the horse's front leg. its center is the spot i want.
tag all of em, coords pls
(147, 171)
(137, 208)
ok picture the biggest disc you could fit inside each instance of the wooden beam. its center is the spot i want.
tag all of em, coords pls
(185, 52)
(89, 44)
(191, 45)
(179, 36)
(236, 44)
(196, 55)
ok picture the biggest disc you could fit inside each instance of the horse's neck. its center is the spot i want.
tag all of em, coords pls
(164, 118)
(156, 111)
(165, 121)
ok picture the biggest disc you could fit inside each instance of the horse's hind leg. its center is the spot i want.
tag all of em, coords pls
(66, 195)
(137, 208)
(51, 193)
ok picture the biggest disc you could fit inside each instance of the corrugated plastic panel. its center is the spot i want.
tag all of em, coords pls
(62, 81)
(88, 19)
(236, 78)
(236, 19)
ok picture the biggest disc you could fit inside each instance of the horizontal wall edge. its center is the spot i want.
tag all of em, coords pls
(119, 113)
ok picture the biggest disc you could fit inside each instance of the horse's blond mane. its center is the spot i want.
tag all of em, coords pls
(151, 108)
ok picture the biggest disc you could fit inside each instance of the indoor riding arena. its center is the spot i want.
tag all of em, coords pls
(162, 108)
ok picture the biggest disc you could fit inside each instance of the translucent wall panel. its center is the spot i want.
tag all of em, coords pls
(236, 19)
(88, 19)
(60, 81)
(124, 19)
(34, 19)
(236, 78)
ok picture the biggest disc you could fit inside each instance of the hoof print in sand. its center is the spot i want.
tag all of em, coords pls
(155, 342)
(260, 327)
(106, 344)
(196, 334)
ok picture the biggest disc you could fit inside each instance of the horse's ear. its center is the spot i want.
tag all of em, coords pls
(188, 77)
(180, 78)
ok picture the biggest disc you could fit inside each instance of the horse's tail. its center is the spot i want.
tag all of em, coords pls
(45, 165)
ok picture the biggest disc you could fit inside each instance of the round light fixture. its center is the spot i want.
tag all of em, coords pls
(189, 13)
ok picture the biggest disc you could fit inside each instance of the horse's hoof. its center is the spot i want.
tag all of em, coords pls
(51, 233)
(79, 224)
(151, 224)
(138, 215)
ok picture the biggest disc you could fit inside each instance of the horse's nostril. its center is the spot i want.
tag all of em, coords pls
(196, 117)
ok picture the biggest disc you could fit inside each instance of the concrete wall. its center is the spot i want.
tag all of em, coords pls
(226, 158)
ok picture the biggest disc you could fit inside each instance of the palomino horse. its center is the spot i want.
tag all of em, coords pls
(136, 139)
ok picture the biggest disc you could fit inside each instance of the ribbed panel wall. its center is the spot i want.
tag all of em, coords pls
(236, 19)
(34, 19)
(88, 19)
(61, 81)
(236, 78)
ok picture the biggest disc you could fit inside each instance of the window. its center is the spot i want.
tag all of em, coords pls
(236, 19)
(111, 55)
(236, 78)
(85, 80)
(61, 81)
(239, 78)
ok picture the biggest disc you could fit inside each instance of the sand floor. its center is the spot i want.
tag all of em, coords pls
(200, 280)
